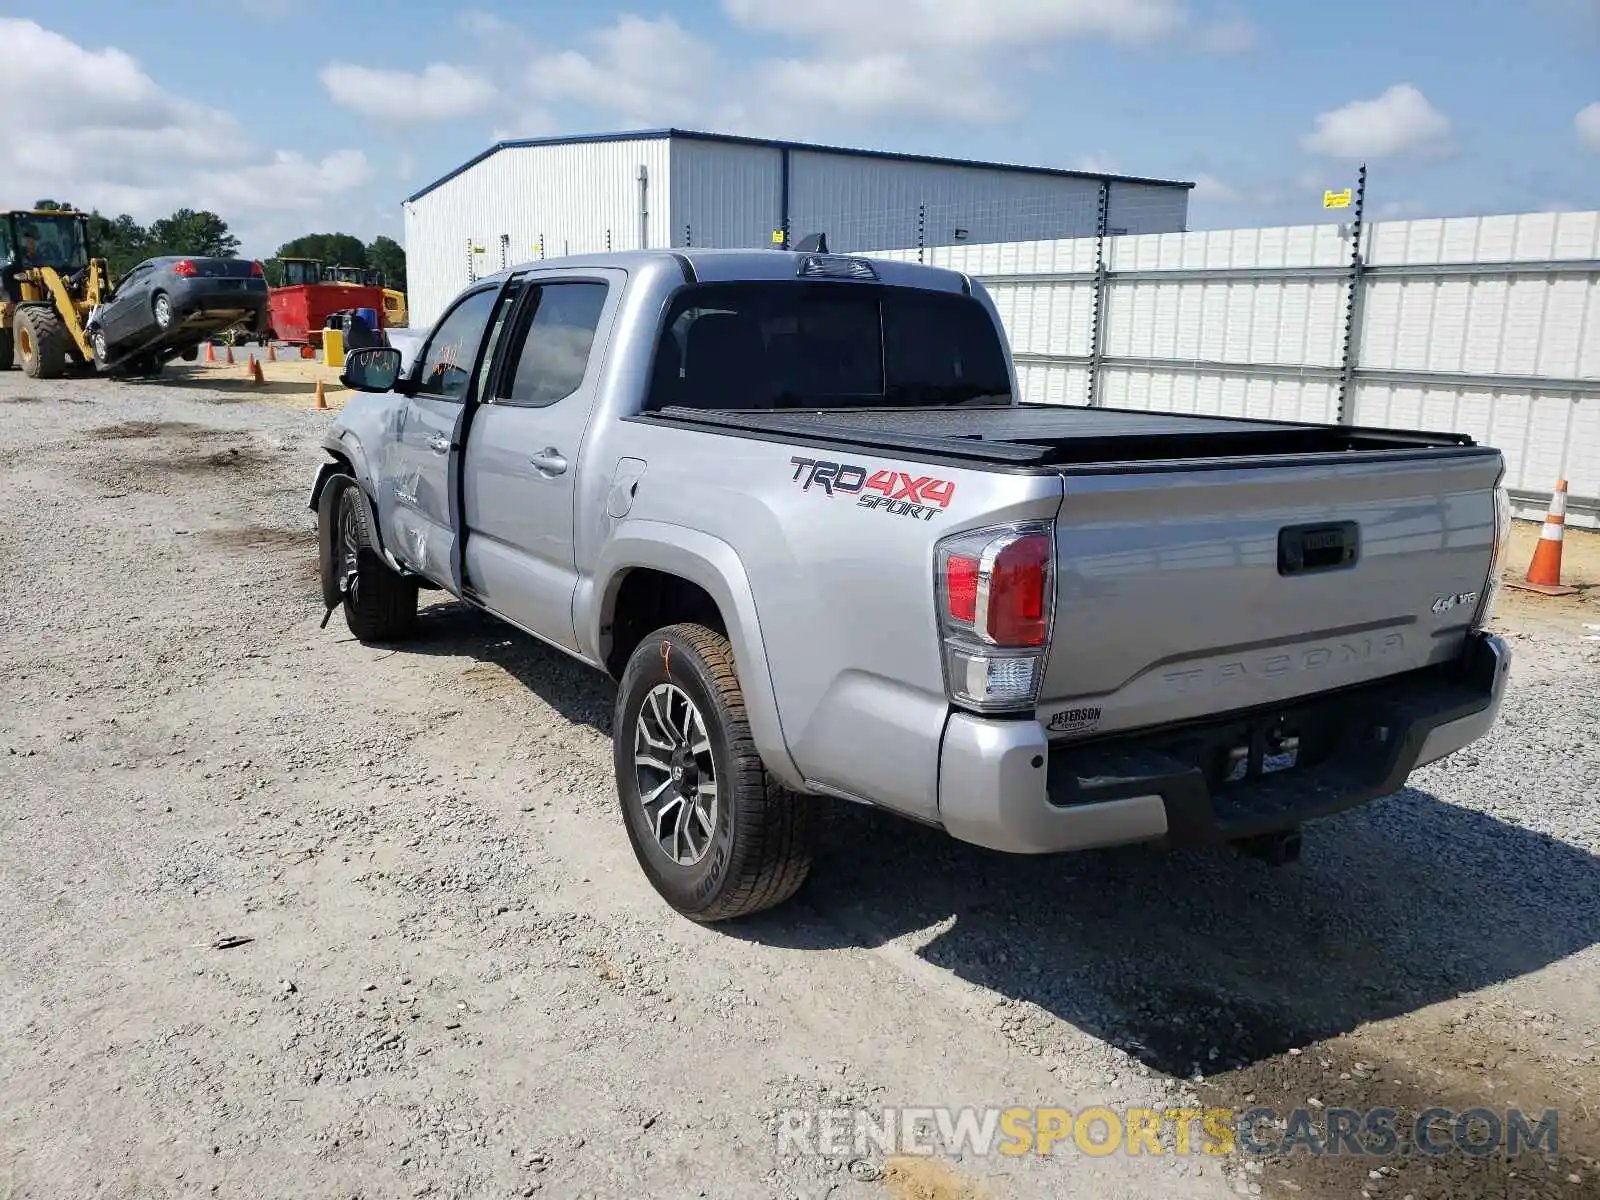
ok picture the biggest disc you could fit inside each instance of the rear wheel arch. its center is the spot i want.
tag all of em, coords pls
(689, 568)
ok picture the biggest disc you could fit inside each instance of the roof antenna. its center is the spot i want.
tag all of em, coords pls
(817, 243)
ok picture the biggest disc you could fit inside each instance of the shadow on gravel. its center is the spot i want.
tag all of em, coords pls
(454, 629)
(1211, 960)
(1186, 960)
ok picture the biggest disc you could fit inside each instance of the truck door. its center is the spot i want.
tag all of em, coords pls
(417, 475)
(521, 458)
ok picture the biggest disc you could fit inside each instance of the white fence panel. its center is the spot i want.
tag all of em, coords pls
(1488, 326)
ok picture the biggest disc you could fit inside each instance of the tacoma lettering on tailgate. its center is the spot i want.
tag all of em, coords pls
(900, 493)
(1275, 666)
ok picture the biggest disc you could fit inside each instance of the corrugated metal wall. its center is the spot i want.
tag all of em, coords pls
(1488, 325)
(572, 198)
(725, 195)
(875, 203)
(582, 197)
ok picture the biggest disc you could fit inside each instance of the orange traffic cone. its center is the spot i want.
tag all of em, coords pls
(1544, 572)
(211, 352)
(255, 371)
(322, 396)
(308, 351)
(272, 352)
(230, 354)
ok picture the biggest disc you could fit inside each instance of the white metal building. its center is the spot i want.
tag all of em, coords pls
(547, 197)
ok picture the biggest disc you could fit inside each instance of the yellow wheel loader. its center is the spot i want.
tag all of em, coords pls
(49, 285)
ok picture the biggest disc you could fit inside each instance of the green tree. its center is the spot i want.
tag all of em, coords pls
(120, 240)
(389, 258)
(189, 232)
(330, 249)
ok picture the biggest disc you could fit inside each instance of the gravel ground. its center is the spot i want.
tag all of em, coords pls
(457, 983)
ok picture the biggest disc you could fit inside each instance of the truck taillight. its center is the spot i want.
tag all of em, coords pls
(1497, 556)
(995, 602)
(184, 267)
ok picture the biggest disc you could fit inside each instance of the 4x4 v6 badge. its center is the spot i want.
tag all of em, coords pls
(1445, 603)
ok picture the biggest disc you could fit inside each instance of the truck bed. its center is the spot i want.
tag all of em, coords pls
(1056, 436)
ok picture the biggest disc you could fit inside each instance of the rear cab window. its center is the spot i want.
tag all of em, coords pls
(549, 353)
(779, 344)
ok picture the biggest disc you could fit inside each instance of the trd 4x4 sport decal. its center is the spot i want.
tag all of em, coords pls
(898, 493)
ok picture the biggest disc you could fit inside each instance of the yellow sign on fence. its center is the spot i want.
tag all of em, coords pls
(777, 237)
(1336, 199)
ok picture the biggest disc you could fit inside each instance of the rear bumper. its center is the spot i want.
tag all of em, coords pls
(204, 299)
(1002, 784)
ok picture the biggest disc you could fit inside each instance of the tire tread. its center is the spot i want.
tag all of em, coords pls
(775, 830)
(385, 608)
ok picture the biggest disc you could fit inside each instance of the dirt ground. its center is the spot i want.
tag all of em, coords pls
(283, 915)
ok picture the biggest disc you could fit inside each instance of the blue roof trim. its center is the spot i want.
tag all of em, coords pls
(731, 139)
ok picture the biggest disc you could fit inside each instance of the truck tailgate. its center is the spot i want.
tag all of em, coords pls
(1227, 585)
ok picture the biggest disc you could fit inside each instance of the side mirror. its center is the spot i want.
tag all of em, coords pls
(371, 369)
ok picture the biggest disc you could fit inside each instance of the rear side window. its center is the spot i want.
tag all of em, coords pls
(826, 345)
(550, 355)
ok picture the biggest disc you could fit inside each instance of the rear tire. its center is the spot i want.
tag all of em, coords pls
(379, 605)
(717, 836)
(161, 309)
(41, 341)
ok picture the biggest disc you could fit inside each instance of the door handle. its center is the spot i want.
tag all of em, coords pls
(439, 444)
(549, 461)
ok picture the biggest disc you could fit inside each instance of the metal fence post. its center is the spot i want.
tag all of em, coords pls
(922, 232)
(472, 266)
(1097, 321)
(505, 251)
(1353, 306)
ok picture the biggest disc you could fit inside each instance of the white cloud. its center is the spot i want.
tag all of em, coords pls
(440, 92)
(1210, 189)
(1231, 35)
(884, 83)
(1587, 125)
(1097, 164)
(961, 24)
(647, 72)
(92, 128)
(1401, 121)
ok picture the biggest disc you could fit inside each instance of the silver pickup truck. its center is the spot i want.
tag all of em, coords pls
(791, 504)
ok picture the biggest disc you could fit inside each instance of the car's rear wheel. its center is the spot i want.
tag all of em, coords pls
(41, 342)
(379, 604)
(717, 836)
(161, 309)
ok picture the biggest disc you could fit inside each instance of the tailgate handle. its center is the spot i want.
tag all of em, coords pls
(1304, 549)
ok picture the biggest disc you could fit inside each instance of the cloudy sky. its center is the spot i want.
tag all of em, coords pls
(288, 116)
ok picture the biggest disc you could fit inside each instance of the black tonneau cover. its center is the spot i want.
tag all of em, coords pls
(1045, 435)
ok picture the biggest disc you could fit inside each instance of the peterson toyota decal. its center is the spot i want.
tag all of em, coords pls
(898, 493)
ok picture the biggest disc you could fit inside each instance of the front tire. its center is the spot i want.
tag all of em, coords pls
(379, 605)
(717, 836)
(41, 341)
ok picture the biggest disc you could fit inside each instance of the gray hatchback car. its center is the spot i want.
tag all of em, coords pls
(165, 307)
